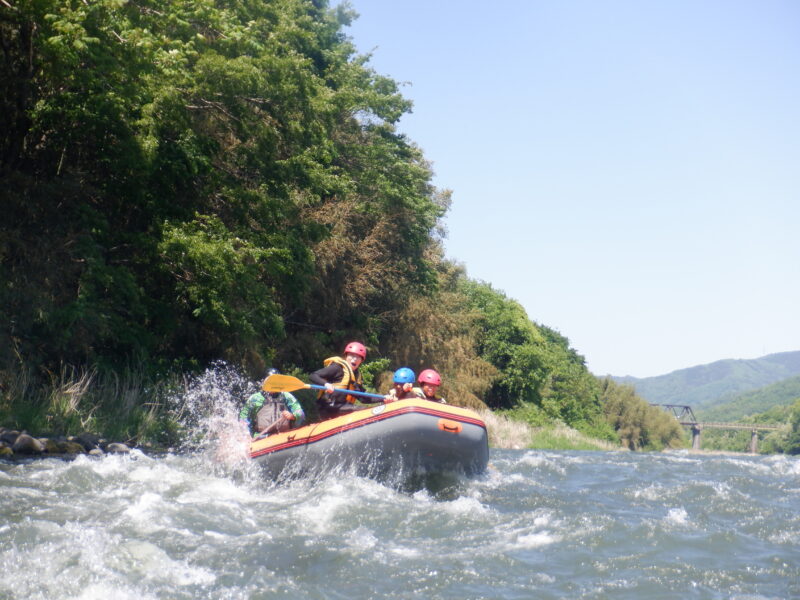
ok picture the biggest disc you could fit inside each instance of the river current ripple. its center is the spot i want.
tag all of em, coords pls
(539, 524)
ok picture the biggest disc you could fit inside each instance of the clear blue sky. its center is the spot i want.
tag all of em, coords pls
(629, 171)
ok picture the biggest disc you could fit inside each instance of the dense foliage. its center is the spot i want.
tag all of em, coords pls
(763, 400)
(769, 405)
(638, 424)
(782, 413)
(790, 444)
(186, 181)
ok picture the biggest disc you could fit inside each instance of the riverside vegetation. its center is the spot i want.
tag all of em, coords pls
(184, 183)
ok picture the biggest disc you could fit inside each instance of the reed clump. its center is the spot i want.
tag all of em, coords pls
(128, 406)
(512, 434)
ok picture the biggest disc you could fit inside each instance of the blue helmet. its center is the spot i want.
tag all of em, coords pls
(404, 375)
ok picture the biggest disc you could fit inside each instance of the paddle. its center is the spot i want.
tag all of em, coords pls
(267, 431)
(287, 383)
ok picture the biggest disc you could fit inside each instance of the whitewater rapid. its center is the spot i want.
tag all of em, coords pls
(537, 524)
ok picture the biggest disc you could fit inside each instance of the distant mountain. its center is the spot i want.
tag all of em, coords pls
(728, 409)
(703, 386)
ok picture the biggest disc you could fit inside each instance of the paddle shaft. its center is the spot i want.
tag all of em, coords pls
(344, 391)
(287, 383)
(266, 431)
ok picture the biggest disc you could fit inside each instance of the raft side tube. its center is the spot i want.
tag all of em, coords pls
(415, 435)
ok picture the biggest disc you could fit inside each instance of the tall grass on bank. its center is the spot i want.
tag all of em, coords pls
(127, 406)
(133, 407)
(561, 437)
(508, 433)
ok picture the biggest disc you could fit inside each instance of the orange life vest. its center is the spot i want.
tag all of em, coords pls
(351, 380)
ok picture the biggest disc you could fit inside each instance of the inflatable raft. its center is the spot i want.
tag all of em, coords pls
(406, 437)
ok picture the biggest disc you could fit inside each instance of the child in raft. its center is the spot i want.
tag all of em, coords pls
(430, 381)
(339, 375)
(403, 387)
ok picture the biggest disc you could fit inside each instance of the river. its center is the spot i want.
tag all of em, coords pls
(538, 524)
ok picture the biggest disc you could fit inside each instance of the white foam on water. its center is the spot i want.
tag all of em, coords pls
(111, 465)
(319, 514)
(144, 508)
(679, 457)
(723, 491)
(360, 540)
(781, 464)
(106, 591)
(495, 479)
(217, 491)
(542, 461)
(465, 506)
(785, 537)
(652, 492)
(749, 466)
(587, 526)
(543, 520)
(57, 560)
(536, 540)
(145, 560)
(405, 552)
(160, 477)
(525, 532)
(216, 535)
(677, 516)
(511, 479)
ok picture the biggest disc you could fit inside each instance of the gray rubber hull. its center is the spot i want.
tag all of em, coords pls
(415, 440)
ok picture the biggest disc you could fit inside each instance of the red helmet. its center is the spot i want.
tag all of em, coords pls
(430, 376)
(356, 348)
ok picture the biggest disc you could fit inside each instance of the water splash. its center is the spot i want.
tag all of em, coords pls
(208, 410)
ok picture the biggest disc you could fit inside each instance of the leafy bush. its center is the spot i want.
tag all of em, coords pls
(638, 425)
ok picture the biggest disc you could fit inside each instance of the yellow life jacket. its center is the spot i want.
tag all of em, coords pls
(350, 379)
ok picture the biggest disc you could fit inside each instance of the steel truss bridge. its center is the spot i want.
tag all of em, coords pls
(685, 416)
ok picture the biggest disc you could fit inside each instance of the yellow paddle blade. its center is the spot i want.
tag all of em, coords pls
(282, 383)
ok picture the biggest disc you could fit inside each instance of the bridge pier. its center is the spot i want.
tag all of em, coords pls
(686, 418)
(754, 441)
(696, 437)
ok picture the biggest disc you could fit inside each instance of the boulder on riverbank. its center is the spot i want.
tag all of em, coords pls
(15, 443)
(26, 444)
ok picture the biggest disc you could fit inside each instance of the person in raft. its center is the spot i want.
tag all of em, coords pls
(429, 381)
(266, 413)
(403, 387)
(340, 374)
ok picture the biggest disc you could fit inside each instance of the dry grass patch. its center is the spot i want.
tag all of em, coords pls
(505, 433)
(516, 435)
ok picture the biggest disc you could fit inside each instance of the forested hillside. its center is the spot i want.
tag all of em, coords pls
(779, 395)
(705, 385)
(185, 182)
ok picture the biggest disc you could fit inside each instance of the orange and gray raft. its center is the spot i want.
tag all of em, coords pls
(409, 435)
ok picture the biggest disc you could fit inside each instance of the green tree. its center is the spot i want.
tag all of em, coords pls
(188, 181)
(538, 374)
(791, 443)
(638, 425)
(508, 340)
